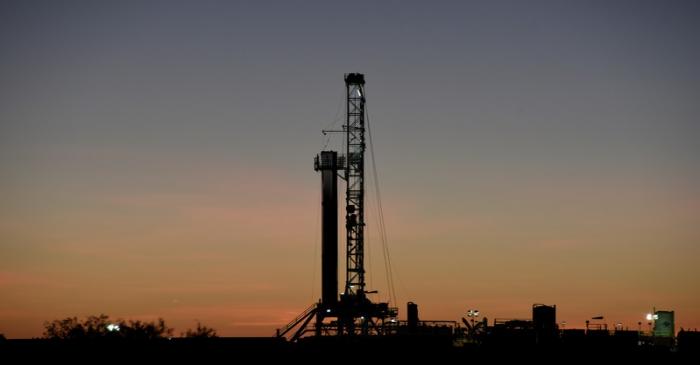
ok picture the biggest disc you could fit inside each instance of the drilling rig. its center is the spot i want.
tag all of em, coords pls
(351, 313)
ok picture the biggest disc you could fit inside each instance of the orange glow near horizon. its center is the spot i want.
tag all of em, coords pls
(215, 256)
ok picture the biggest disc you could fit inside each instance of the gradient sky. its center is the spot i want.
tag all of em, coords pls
(156, 157)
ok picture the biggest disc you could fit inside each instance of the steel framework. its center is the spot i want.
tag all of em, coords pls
(354, 313)
(355, 178)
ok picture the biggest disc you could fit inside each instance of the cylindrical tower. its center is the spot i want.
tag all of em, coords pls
(327, 163)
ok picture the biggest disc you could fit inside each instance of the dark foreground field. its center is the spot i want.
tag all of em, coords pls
(325, 350)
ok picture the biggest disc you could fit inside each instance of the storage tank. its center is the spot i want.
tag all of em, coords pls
(544, 321)
(663, 324)
(544, 316)
(412, 315)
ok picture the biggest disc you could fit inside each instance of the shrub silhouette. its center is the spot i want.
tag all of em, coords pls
(201, 332)
(94, 327)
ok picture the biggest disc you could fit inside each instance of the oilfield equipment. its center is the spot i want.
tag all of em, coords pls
(351, 313)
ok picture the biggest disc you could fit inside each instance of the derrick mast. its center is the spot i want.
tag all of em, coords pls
(354, 313)
(355, 179)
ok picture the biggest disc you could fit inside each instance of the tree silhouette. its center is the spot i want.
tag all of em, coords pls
(145, 330)
(65, 329)
(201, 332)
(102, 327)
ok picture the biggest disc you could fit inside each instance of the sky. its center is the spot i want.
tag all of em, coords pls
(156, 157)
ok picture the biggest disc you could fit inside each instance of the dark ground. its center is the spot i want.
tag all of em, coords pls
(389, 350)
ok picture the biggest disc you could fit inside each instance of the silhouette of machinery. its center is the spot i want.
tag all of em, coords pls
(351, 312)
